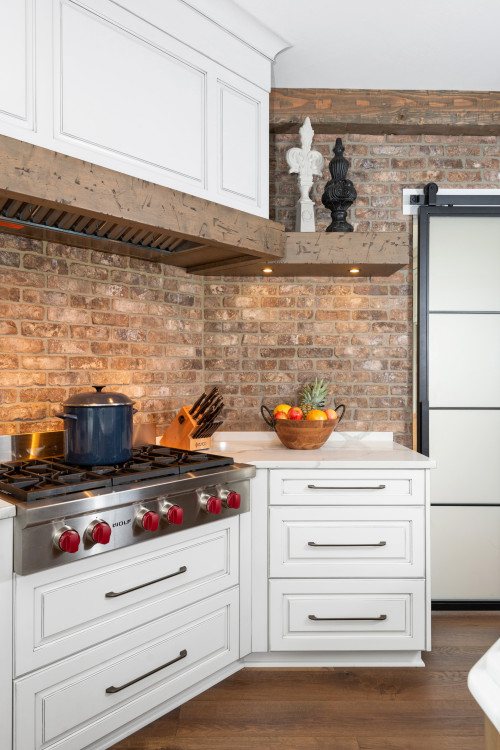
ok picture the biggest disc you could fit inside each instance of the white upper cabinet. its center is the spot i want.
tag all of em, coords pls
(175, 93)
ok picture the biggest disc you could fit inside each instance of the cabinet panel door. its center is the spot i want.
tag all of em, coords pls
(465, 553)
(343, 542)
(239, 140)
(59, 614)
(346, 487)
(150, 107)
(16, 62)
(351, 615)
(67, 706)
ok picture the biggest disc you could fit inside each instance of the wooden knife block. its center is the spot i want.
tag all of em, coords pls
(178, 433)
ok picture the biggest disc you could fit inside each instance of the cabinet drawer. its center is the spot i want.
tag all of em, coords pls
(59, 614)
(341, 542)
(356, 615)
(346, 487)
(70, 705)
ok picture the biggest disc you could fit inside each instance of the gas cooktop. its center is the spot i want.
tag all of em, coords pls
(37, 479)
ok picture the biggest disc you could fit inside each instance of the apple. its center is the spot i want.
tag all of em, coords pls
(281, 415)
(331, 414)
(295, 413)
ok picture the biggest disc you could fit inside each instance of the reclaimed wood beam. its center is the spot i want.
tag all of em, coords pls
(37, 175)
(327, 254)
(377, 111)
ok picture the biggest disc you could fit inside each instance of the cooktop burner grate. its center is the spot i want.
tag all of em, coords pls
(35, 479)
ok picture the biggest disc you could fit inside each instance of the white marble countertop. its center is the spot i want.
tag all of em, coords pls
(7, 510)
(344, 450)
(484, 683)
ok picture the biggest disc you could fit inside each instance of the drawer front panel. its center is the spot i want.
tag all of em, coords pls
(346, 487)
(346, 615)
(69, 709)
(314, 542)
(59, 616)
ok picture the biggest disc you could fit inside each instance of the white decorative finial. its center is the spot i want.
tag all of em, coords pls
(307, 163)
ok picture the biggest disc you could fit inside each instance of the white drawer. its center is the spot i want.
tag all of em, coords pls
(358, 615)
(59, 614)
(67, 705)
(359, 542)
(346, 487)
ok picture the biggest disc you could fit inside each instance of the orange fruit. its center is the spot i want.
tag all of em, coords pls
(282, 407)
(316, 414)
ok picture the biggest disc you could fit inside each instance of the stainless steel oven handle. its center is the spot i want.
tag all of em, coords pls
(374, 544)
(113, 594)
(113, 689)
(315, 487)
(380, 617)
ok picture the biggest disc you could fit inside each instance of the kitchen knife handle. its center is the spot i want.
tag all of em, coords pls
(113, 594)
(113, 689)
(317, 619)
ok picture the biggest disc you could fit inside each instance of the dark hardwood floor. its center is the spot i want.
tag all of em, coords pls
(340, 709)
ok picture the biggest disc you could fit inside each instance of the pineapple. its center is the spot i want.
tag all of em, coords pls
(313, 396)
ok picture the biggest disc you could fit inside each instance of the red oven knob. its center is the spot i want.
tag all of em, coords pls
(68, 540)
(99, 532)
(213, 505)
(233, 500)
(174, 515)
(150, 520)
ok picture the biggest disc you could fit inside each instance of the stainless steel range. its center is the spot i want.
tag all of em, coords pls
(67, 513)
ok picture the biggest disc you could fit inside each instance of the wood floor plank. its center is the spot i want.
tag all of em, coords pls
(340, 709)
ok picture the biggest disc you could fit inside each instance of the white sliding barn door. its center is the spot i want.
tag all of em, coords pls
(463, 389)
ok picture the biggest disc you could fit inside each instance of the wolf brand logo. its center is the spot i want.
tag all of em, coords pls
(122, 523)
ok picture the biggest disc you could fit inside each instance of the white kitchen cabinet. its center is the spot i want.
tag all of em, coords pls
(90, 697)
(59, 612)
(162, 92)
(342, 543)
(172, 632)
(340, 615)
(6, 559)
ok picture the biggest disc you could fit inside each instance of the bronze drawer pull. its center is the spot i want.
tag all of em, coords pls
(375, 544)
(114, 689)
(380, 617)
(112, 594)
(315, 487)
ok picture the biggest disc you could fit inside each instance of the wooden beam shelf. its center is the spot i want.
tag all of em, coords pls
(326, 254)
(378, 111)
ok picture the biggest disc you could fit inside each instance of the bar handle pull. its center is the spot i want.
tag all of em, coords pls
(113, 594)
(374, 544)
(317, 619)
(113, 689)
(315, 487)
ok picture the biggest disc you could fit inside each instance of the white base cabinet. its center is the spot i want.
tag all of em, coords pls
(341, 576)
(90, 669)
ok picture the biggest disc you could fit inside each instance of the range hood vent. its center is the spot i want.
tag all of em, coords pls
(57, 225)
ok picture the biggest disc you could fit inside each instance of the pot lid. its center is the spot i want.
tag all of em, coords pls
(88, 398)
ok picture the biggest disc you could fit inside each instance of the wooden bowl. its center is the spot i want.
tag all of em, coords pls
(304, 435)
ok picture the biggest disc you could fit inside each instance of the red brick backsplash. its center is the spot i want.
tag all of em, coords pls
(71, 317)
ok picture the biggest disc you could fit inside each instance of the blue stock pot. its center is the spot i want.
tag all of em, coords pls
(98, 428)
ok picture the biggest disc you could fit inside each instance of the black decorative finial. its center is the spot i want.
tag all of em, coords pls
(339, 193)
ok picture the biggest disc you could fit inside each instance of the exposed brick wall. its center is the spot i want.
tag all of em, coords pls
(264, 337)
(70, 318)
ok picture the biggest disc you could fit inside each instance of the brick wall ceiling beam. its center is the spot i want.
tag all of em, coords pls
(380, 111)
